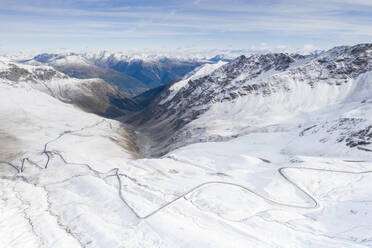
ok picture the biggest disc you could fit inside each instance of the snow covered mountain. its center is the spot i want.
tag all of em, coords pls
(258, 92)
(152, 70)
(32, 115)
(291, 168)
(80, 67)
(130, 74)
(92, 95)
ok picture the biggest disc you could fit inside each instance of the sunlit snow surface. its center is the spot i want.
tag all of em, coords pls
(197, 73)
(277, 186)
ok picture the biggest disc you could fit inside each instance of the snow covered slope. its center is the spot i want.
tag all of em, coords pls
(132, 74)
(30, 169)
(292, 167)
(78, 66)
(93, 95)
(153, 71)
(197, 73)
(257, 92)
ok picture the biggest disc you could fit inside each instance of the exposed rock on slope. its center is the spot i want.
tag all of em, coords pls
(299, 175)
(152, 71)
(132, 75)
(92, 95)
(274, 86)
(77, 66)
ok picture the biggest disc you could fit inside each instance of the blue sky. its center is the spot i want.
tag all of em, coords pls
(183, 25)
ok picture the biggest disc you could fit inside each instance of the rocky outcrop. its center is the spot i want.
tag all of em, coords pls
(264, 75)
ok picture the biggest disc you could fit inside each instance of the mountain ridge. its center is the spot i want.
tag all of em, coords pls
(257, 75)
(132, 75)
(93, 95)
(265, 151)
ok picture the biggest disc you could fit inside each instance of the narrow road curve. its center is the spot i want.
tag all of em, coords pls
(46, 152)
(11, 165)
(315, 204)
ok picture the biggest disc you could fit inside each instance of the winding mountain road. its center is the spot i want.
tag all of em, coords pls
(315, 204)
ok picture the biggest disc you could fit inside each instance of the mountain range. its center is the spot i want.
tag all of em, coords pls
(227, 100)
(264, 150)
(129, 74)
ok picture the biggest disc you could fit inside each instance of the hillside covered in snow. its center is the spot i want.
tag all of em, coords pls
(131, 74)
(268, 150)
(92, 95)
(264, 92)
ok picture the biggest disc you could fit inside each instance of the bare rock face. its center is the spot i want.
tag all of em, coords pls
(17, 74)
(263, 75)
(361, 137)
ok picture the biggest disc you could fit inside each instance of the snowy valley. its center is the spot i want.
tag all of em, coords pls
(266, 150)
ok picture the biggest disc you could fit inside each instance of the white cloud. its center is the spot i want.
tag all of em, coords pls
(203, 20)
